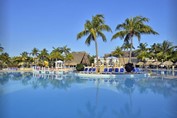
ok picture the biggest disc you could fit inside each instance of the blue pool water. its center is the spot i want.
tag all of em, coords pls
(29, 95)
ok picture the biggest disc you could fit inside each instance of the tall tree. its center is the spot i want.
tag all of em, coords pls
(55, 55)
(25, 58)
(117, 52)
(35, 53)
(166, 50)
(43, 55)
(133, 27)
(142, 51)
(94, 29)
(1, 49)
(68, 57)
(65, 50)
(154, 50)
(4, 60)
(126, 46)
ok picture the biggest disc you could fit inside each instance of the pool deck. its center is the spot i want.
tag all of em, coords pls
(93, 75)
(17, 70)
(32, 70)
(86, 75)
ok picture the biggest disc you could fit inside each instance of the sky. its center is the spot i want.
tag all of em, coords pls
(26, 24)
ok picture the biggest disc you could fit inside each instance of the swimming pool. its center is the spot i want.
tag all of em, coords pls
(29, 95)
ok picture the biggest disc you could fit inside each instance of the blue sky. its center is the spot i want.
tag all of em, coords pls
(54, 23)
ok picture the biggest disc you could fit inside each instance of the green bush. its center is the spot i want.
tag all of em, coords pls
(80, 67)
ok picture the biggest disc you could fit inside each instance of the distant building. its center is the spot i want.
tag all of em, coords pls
(78, 58)
(125, 57)
(59, 64)
(125, 54)
(107, 61)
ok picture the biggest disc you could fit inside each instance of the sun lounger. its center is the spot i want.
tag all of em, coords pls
(105, 71)
(93, 70)
(89, 70)
(122, 70)
(116, 70)
(110, 71)
(85, 70)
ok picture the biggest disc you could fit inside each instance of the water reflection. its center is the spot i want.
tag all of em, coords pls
(127, 111)
(164, 87)
(95, 108)
(92, 111)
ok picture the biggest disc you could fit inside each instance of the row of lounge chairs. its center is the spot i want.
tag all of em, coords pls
(89, 70)
(116, 70)
(113, 70)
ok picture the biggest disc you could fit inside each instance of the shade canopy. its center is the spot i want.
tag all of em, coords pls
(140, 63)
(167, 63)
(148, 63)
(156, 63)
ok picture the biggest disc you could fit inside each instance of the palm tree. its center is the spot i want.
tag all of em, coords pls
(126, 46)
(4, 60)
(94, 29)
(66, 53)
(65, 50)
(118, 53)
(24, 58)
(56, 54)
(1, 49)
(35, 53)
(133, 27)
(174, 57)
(142, 51)
(69, 57)
(43, 55)
(16, 60)
(166, 50)
(154, 50)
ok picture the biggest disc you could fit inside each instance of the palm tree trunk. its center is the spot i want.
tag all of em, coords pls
(131, 45)
(96, 48)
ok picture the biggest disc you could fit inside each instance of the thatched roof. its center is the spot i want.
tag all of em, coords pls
(78, 58)
(148, 63)
(167, 63)
(156, 63)
(140, 63)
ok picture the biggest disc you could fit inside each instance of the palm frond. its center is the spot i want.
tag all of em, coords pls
(120, 34)
(82, 33)
(120, 26)
(93, 33)
(137, 34)
(88, 40)
(102, 36)
(104, 28)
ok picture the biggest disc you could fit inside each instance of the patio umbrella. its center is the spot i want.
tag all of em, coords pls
(156, 63)
(148, 63)
(140, 63)
(21, 63)
(167, 63)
